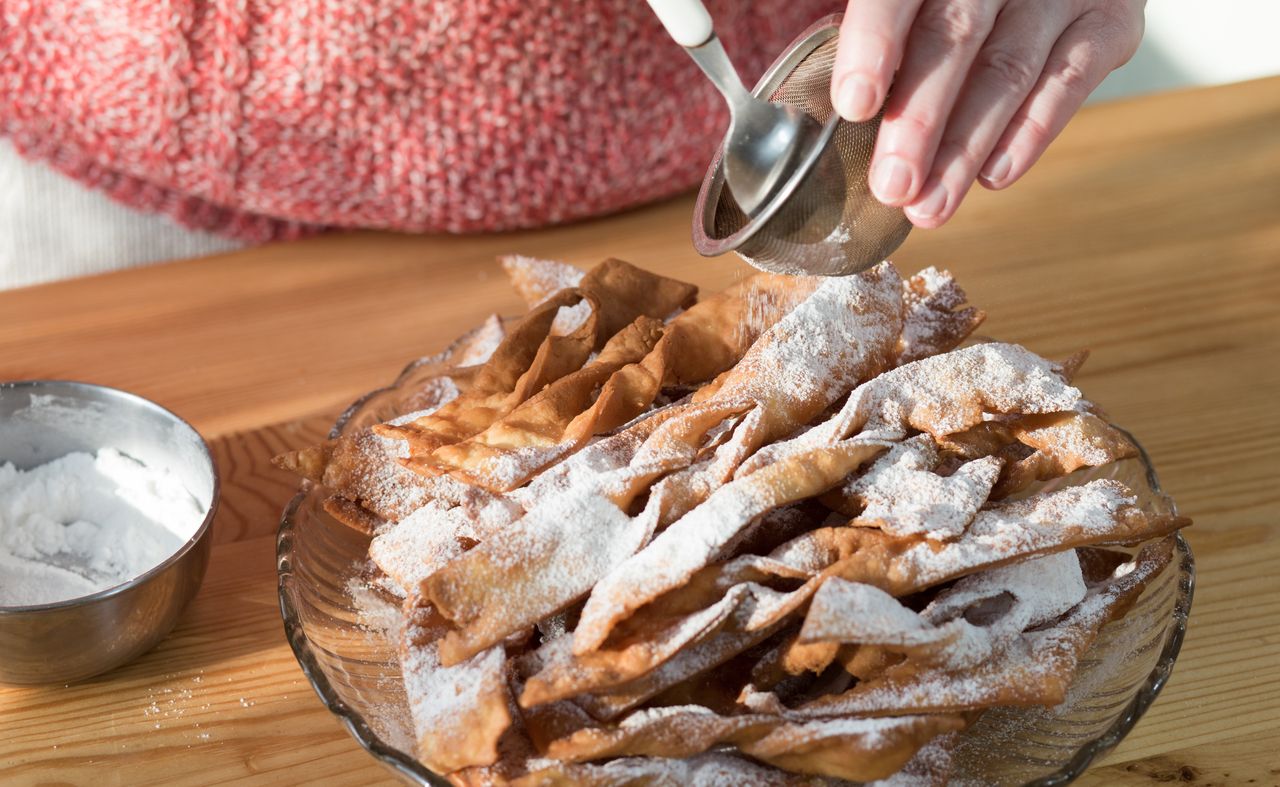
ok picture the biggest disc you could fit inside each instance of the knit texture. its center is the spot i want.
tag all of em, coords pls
(264, 119)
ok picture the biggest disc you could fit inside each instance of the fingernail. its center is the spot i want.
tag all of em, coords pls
(932, 204)
(998, 169)
(856, 99)
(891, 179)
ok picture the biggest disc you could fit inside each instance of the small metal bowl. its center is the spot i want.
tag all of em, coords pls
(65, 641)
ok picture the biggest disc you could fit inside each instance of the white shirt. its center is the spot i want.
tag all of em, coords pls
(52, 227)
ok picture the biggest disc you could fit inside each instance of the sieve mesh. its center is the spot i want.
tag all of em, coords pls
(831, 224)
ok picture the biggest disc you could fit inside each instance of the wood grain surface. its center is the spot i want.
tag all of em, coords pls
(1150, 234)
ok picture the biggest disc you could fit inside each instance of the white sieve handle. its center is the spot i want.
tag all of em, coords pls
(686, 20)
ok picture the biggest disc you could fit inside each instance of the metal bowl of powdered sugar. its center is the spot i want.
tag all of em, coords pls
(106, 505)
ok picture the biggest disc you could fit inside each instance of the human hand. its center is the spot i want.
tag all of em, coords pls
(981, 87)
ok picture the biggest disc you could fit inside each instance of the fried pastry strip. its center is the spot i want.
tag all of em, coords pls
(1035, 670)
(1100, 512)
(360, 469)
(935, 319)
(902, 494)
(851, 748)
(940, 395)
(714, 769)
(531, 356)
(534, 355)
(692, 541)
(417, 546)
(699, 343)
(460, 712)
(960, 628)
(844, 334)
(554, 422)
(680, 731)
(535, 280)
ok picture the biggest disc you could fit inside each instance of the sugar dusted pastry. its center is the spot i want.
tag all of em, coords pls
(790, 532)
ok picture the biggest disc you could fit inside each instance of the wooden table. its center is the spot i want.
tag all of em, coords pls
(1150, 234)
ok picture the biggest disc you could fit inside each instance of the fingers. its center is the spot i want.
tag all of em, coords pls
(870, 47)
(1087, 51)
(1004, 71)
(944, 40)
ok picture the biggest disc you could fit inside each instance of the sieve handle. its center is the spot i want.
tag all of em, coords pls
(686, 20)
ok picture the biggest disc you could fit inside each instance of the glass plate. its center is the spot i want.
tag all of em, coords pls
(352, 663)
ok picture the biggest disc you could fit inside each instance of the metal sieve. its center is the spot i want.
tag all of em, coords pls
(824, 221)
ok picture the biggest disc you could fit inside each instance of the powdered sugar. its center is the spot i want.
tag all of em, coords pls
(1024, 527)
(941, 395)
(1040, 590)
(933, 320)
(422, 543)
(459, 711)
(570, 318)
(85, 523)
(536, 280)
(715, 769)
(838, 336)
(903, 495)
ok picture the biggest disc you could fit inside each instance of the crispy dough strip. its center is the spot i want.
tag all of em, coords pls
(706, 340)
(703, 341)
(1063, 443)
(494, 590)
(459, 712)
(662, 732)
(902, 494)
(1040, 525)
(841, 351)
(764, 613)
(1035, 671)
(527, 360)
(554, 422)
(713, 769)
(533, 356)
(853, 749)
(565, 675)
(933, 320)
(717, 605)
(627, 292)
(1037, 591)
(842, 335)
(750, 624)
(421, 543)
(353, 515)
(761, 613)
(712, 603)
(604, 456)
(853, 612)
(564, 548)
(791, 657)
(688, 544)
(535, 280)
(941, 395)
(1099, 512)
(369, 486)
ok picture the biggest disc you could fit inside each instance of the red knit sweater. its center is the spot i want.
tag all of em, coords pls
(269, 118)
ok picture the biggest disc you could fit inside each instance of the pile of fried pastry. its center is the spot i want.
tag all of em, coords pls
(791, 532)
